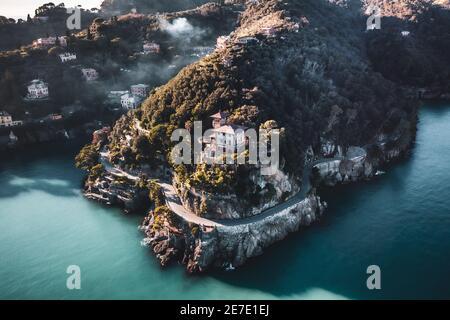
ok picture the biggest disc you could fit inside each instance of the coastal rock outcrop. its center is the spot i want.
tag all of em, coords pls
(230, 244)
(230, 206)
(284, 67)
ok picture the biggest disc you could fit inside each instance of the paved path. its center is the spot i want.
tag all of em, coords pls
(104, 155)
(174, 203)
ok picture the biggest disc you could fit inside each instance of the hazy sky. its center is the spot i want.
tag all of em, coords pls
(20, 8)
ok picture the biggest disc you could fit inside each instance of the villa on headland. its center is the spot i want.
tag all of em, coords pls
(7, 121)
(37, 89)
(67, 56)
(224, 137)
(50, 41)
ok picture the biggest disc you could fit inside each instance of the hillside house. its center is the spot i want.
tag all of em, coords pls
(130, 101)
(140, 90)
(55, 117)
(49, 41)
(67, 56)
(7, 121)
(151, 47)
(37, 89)
(224, 137)
(89, 74)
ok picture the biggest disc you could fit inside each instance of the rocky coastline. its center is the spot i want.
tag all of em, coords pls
(347, 133)
(200, 248)
(231, 206)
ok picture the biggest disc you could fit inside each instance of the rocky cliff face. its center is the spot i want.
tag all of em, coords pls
(231, 243)
(230, 206)
(361, 163)
(223, 246)
(306, 69)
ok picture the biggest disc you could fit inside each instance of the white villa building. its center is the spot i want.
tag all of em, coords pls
(7, 121)
(130, 101)
(37, 89)
(89, 74)
(224, 137)
(50, 41)
(151, 47)
(140, 90)
(67, 56)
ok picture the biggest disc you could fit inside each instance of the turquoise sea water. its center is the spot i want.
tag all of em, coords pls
(399, 221)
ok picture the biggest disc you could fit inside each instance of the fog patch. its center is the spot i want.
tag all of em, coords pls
(182, 29)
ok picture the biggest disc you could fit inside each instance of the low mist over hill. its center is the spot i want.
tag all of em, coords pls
(150, 6)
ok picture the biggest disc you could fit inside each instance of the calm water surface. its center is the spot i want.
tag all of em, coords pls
(400, 221)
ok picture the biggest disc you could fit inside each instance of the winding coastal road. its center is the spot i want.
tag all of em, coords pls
(174, 203)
